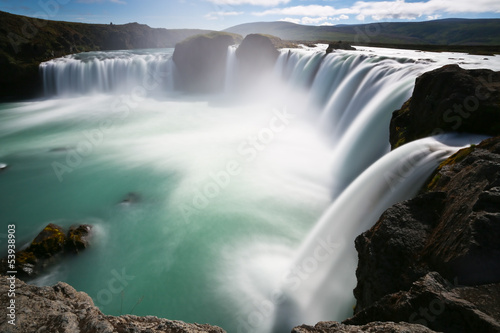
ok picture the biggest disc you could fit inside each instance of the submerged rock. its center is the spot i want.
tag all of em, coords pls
(78, 238)
(131, 198)
(50, 241)
(3, 166)
(61, 308)
(201, 62)
(449, 99)
(48, 247)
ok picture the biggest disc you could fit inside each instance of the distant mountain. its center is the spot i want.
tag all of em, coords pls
(437, 32)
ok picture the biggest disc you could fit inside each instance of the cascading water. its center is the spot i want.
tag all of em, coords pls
(320, 279)
(227, 188)
(114, 71)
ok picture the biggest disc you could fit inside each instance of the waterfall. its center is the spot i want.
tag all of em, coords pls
(231, 69)
(319, 282)
(356, 95)
(348, 97)
(106, 72)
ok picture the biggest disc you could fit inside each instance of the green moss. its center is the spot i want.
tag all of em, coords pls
(76, 239)
(25, 257)
(432, 184)
(457, 157)
(48, 242)
(400, 142)
(452, 160)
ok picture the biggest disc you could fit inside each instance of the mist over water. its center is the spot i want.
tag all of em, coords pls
(238, 209)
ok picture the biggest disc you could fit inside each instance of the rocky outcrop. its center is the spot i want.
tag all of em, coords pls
(438, 251)
(340, 45)
(336, 327)
(449, 99)
(256, 55)
(435, 303)
(47, 248)
(62, 309)
(201, 62)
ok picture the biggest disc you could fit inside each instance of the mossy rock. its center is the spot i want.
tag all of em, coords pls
(458, 157)
(78, 238)
(49, 241)
(26, 257)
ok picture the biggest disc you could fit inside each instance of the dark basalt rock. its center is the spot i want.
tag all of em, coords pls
(449, 99)
(389, 253)
(336, 327)
(377, 326)
(78, 238)
(340, 45)
(201, 62)
(60, 308)
(435, 303)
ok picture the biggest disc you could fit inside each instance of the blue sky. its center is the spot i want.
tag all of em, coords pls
(221, 14)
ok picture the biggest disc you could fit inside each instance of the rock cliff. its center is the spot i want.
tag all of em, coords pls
(438, 251)
(62, 309)
(435, 259)
(201, 62)
(449, 99)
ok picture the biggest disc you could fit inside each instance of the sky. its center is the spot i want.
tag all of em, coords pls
(221, 14)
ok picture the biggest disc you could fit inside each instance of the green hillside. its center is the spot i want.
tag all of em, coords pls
(439, 32)
(25, 42)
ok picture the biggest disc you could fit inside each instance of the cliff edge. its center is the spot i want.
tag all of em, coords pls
(60, 308)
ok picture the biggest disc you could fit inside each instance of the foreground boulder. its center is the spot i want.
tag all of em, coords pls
(201, 62)
(48, 247)
(336, 327)
(435, 303)
(62, 309)
(449, 99)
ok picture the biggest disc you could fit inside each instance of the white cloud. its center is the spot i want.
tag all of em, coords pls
(310, 20)
(218, 15)
(311, 10)
(291, 20)
(266, 3)
(323, 20)
(397, 9)
(433, 17)
(360, 17)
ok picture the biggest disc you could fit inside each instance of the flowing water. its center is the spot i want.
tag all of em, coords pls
(237, 209)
